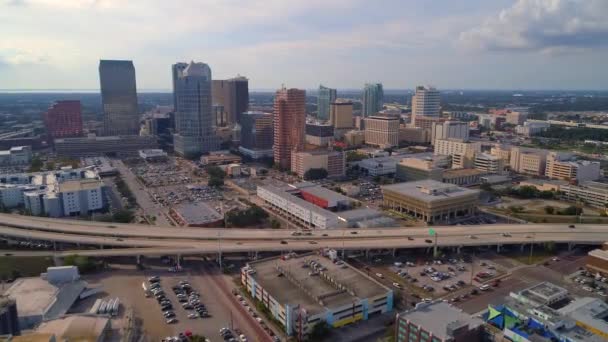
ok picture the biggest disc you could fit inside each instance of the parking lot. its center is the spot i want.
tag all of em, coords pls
(125, 282)
(171, 172)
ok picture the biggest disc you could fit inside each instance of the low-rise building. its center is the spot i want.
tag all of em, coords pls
(543, 185)
(564, 166)
(381, 166)
(198, 214)
(430, 201)
(437, 322)
(44, 298)
(594, 194)
(220, 158)
(531, 128)
(18, 155)
(286, 201)
(325, 198)
(382, 131)
(414, 169)
(153, 155)
(415, 135)
(332, 161)
(462, 177)
(354, 138)
(91, 146)
(301, 291)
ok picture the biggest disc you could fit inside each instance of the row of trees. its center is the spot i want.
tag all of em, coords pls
(524, 192)
(570, 211)
(125, 191)
(248, 217)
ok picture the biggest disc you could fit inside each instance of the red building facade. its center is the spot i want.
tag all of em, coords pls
(64, 120)
(289, 124)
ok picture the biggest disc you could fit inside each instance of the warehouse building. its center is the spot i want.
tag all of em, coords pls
(303, 290)
(431, 201)
(196, 215)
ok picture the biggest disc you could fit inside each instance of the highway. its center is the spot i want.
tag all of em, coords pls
(128, 239)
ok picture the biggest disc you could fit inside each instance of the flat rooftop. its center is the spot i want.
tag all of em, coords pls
(305, 289)
(80, 184)
(198, 213)
(327, 194)
(435, 317)
(284, 193)
(430, 190)
(543, 292)
(76, 327)
(461, 173)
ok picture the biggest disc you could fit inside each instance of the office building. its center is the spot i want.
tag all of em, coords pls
(9, 318)
(63, 120)
(332, 161)
(426, 122)
(463, 177)
(531, 128)
(502, 151)
(382, 131)
(450, 130)
(256, 134)
(437, 322)
(372, 100)
(462, 152)
(319, 134)
(326, 97)
(341, 114)
(354, 138)
(299, 297)
(415, 169)
(426, 102)
(564, 166)
(233, 96)
(528, 161)
(430, 200)
(176, 71)
(414, 135)
(18, 155)
(119, 97)
(488, 163)
(517, 116)
(94, 146)
(593, 194)
(194, 132)
(39, 299)
(289, 124)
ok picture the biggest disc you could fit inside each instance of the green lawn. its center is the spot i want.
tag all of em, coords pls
(26, 266)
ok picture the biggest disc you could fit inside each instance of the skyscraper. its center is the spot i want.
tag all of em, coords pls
(324, 99)
(289, 124)
(341, 114)
(194, 119)
(372, 100)
(176, 72)
(233, 95)
(425, 102)
(119, 97)
(64, 120)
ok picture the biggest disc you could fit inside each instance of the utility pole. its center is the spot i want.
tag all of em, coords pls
(531, 248)
(219, 248)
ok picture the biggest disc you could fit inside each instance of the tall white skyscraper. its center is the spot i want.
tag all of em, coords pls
(193, 118)
(426, 102)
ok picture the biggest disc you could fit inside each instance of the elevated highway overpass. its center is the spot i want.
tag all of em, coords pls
(132, 239)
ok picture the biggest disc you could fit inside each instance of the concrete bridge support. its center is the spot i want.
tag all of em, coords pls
(57, 260)
(394, 252)
(138, 259)
(571, 245)
(367, 253)
(498, 248)
(458, 249)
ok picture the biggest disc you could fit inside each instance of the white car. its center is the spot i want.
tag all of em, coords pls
(379, 275)
(192, 316)
(397, 285)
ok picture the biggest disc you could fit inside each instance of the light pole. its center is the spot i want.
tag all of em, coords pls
(219, 248)
(531, 248)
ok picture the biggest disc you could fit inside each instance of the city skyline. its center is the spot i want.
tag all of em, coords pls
(473, 44)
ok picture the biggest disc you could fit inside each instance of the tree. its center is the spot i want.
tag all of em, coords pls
(36, 164)
(248, 217)
(549, 210)
(84, 263)
(274, 224)
(352, 156)
(197, 338)
(123, 216)
(314, 174)
(319, 332)
(571, 211)
(216, 176)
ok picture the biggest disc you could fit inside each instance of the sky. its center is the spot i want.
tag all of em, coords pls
(464, 44)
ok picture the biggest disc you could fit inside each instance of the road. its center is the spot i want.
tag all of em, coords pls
(148, 207)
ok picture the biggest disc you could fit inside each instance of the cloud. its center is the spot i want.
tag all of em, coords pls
(542, 25)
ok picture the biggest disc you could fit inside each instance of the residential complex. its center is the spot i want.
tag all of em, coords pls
(119, 97)
(372, 100)
(193, 119)
(232, 95)
(325, 97)
(256, 134)
(289, 124)
(425, 102)
(382, 131)
(300, 291)
(430, 200)
(341, 114)
(64, 120)
(68, 192)
(332, 161)
(564, 166)
(437, 322)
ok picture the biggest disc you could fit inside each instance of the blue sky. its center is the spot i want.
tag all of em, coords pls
(493, 44)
